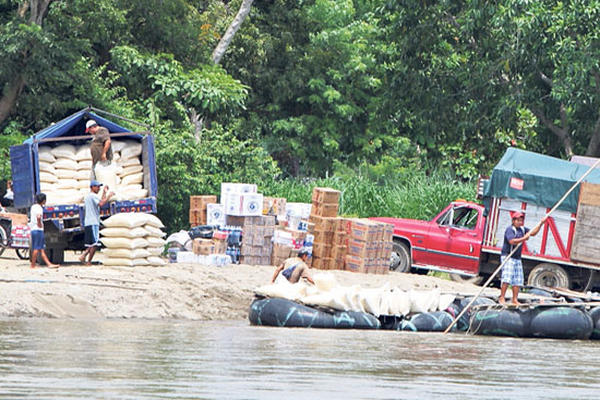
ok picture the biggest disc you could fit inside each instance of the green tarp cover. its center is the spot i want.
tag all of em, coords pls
(539, 179)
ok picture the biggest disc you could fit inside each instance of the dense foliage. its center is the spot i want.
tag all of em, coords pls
(383, 97)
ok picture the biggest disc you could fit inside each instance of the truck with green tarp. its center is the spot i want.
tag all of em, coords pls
(465, 238)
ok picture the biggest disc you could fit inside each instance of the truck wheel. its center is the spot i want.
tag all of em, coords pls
(3, 240)
(475, 280)
(400, 259)
(56, 256)
(549, 275)
(23, 254)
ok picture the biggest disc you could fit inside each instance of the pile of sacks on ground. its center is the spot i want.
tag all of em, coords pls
(377, 301)
(133, 239)
(65, 172)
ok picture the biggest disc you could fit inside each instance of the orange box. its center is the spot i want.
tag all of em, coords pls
(197, 217)
(317, 262)
(339, 252)
(323, 237)
(327, 210)
(340, 239)
(388, 232)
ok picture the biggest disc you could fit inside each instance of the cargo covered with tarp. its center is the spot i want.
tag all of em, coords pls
(538, 179)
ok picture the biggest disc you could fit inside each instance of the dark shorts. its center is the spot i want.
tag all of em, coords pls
(37, 240)
(92, 238)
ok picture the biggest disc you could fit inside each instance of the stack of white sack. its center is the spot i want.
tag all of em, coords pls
(129, 170)
(59, 174)
(133, 239)
(380, 301)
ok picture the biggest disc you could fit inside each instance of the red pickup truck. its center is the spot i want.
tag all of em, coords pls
(465, 238)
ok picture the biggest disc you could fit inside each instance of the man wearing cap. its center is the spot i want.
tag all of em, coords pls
(100, 148)
(92, 204)
(512, 271)
(295, 268)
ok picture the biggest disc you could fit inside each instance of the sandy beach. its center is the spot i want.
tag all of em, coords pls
(176, 291)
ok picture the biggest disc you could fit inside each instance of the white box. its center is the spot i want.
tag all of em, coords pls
(301, 210)
(215, 214)
(236, 188)
(244, 205)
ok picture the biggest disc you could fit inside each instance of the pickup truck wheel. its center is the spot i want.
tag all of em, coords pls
(549, 275)
(3, 240)
(475, 280)
(400, 258)
(23, 254)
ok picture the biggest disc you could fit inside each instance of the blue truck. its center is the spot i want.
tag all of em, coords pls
(63, 223)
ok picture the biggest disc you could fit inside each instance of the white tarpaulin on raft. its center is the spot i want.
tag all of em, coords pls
(377, 301)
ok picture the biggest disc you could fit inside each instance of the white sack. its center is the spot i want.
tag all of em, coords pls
(156, 261)
(124, 243)
(44, 154)
(83, 153)
(151, 230)
(119, 262)
(65, 173)
(124, 232)
(48, 178)
(133, 169)
(65, 163)
(46, 167)
(131, 149)
(106, 175)
(132, 179)
(64, 151)
(85, 165)
(126, 253)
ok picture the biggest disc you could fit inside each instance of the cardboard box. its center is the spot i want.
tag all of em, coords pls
(359, 248)
(323, 237)
(340, 239)
(339, 252)
(245, 204)
(355, 264)
(200, 202)
(327, 210)
(321, 250)
(215, 214)
(197, 217)
(236, 188)
(326, 195)
(203, 246)
(274, 205)
(363, 229)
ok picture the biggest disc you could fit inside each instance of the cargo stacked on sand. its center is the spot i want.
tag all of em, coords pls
(257, 238)
(199, 209)
(369, 246)
(326, 228)
(133, 239)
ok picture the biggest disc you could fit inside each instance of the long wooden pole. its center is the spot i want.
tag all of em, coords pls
(596, 164)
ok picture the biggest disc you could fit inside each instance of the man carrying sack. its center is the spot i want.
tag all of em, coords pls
(100, 148)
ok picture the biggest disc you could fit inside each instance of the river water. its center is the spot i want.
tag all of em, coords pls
(125, 359)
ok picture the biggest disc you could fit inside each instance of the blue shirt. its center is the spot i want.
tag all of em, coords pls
(92, 209)
(510, 234)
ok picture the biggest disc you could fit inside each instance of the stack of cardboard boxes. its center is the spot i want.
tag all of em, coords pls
(369, 246)
(198, 206)
(257, 235)
(324, 225)
(274, 206)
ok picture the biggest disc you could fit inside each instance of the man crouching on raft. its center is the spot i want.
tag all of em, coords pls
(512, 271)
(295, 268)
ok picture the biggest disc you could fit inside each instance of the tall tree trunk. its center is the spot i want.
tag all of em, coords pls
(38, 9)
(562, 132)
(10, 94)
(221, 48)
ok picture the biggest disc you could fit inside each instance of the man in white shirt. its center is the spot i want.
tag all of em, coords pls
(36, 224)
(91, 223)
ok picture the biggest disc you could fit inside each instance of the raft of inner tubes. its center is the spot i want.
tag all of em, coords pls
(485, 317)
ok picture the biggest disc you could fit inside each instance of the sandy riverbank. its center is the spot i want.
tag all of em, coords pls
(179, 291)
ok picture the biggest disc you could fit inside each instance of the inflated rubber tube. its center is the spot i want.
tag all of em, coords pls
(286, 313)
(503, 322)
(436, 321)
(456, 308)
(595, 315)
(561, 323)
(539, 292)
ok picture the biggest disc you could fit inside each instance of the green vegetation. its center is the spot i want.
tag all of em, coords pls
(399, 103)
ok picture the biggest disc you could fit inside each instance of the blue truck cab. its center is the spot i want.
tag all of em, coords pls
(63, 223)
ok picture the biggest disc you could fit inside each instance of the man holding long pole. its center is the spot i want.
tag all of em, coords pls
(512, 271)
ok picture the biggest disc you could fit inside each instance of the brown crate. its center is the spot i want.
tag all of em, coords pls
(342, 224)
(327, 210)
(328, 263)
(220, 246)
(388, 232)
(274, 205)
(234, 220)
(325, 224)
(200, 202)
(317, 263)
